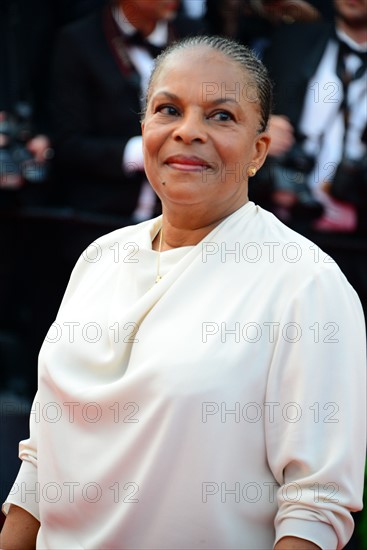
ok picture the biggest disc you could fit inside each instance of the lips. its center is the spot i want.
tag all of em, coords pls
(187, 163)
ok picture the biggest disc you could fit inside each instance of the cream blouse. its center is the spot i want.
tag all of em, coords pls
(221, 408)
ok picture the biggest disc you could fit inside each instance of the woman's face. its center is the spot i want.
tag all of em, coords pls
(200, 132)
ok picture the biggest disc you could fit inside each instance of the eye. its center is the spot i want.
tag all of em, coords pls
(222, 116)
(168, 110)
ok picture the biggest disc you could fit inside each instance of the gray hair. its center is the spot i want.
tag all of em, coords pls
(235, 52)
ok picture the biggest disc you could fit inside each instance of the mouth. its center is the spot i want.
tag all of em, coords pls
(187, 163)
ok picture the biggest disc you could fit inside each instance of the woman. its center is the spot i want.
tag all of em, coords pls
(201, 386)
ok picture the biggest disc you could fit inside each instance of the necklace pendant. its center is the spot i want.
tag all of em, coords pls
(158, 278)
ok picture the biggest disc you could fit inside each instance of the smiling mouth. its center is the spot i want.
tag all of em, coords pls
(187, 164)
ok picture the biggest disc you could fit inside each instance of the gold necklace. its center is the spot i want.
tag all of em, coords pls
(159, 276)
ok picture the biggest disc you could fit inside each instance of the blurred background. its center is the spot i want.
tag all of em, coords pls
(70, 150)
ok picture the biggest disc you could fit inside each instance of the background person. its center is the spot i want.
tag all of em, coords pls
(317, 175)
(27, 227)
(102, 65)
(253, 23)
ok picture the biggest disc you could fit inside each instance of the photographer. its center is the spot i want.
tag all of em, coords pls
(316, 178)
(27, 228)
(320, 107)
(25, 143)
(23, 156)
(27, 34)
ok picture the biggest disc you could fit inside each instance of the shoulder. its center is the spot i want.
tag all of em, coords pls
(183, 26)
(290, 43)
(300, 272)
(114, 247)
(104, 257)
(279, 232)
(291, 252)
(82, 30)
(124, 234)
(302, 32)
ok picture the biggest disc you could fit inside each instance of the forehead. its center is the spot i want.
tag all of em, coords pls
(202, 75)
(203, 70)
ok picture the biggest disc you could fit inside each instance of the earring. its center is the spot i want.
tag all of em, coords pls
(251, 171)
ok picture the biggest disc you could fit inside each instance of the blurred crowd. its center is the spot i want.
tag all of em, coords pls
(73, 73)
(72, 76)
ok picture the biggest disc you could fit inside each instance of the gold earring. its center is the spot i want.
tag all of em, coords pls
(251, 171)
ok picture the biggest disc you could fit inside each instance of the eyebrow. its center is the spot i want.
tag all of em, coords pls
(217, 101)
(168, 94)
(223, 100)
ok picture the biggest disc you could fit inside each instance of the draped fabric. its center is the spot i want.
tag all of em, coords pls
(223, 407)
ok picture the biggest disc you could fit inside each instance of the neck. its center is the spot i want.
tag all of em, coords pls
(185, 229)
(358, 33)
(136, 18)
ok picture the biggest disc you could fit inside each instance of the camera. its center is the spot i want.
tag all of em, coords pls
(350, 181)
(297, 160)
(285, 180)
(17, 164)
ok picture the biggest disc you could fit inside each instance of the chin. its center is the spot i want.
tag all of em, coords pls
(182, 197)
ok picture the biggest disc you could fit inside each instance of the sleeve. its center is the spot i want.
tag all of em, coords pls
(316, 436)
(25, 490)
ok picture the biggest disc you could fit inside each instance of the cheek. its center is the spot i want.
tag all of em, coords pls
(235, 158)
(151, 148)
(155, 143)
(234, 152)
(150, 143)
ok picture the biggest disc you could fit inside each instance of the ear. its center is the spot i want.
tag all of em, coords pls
(261, 149)
(142, 127)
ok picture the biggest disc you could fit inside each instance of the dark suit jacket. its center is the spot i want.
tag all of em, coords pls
(96, 112)
(292, 59)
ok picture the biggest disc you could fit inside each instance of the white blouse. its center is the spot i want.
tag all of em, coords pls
(221, 408)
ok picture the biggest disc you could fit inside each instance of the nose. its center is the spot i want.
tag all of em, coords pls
(190, 127)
